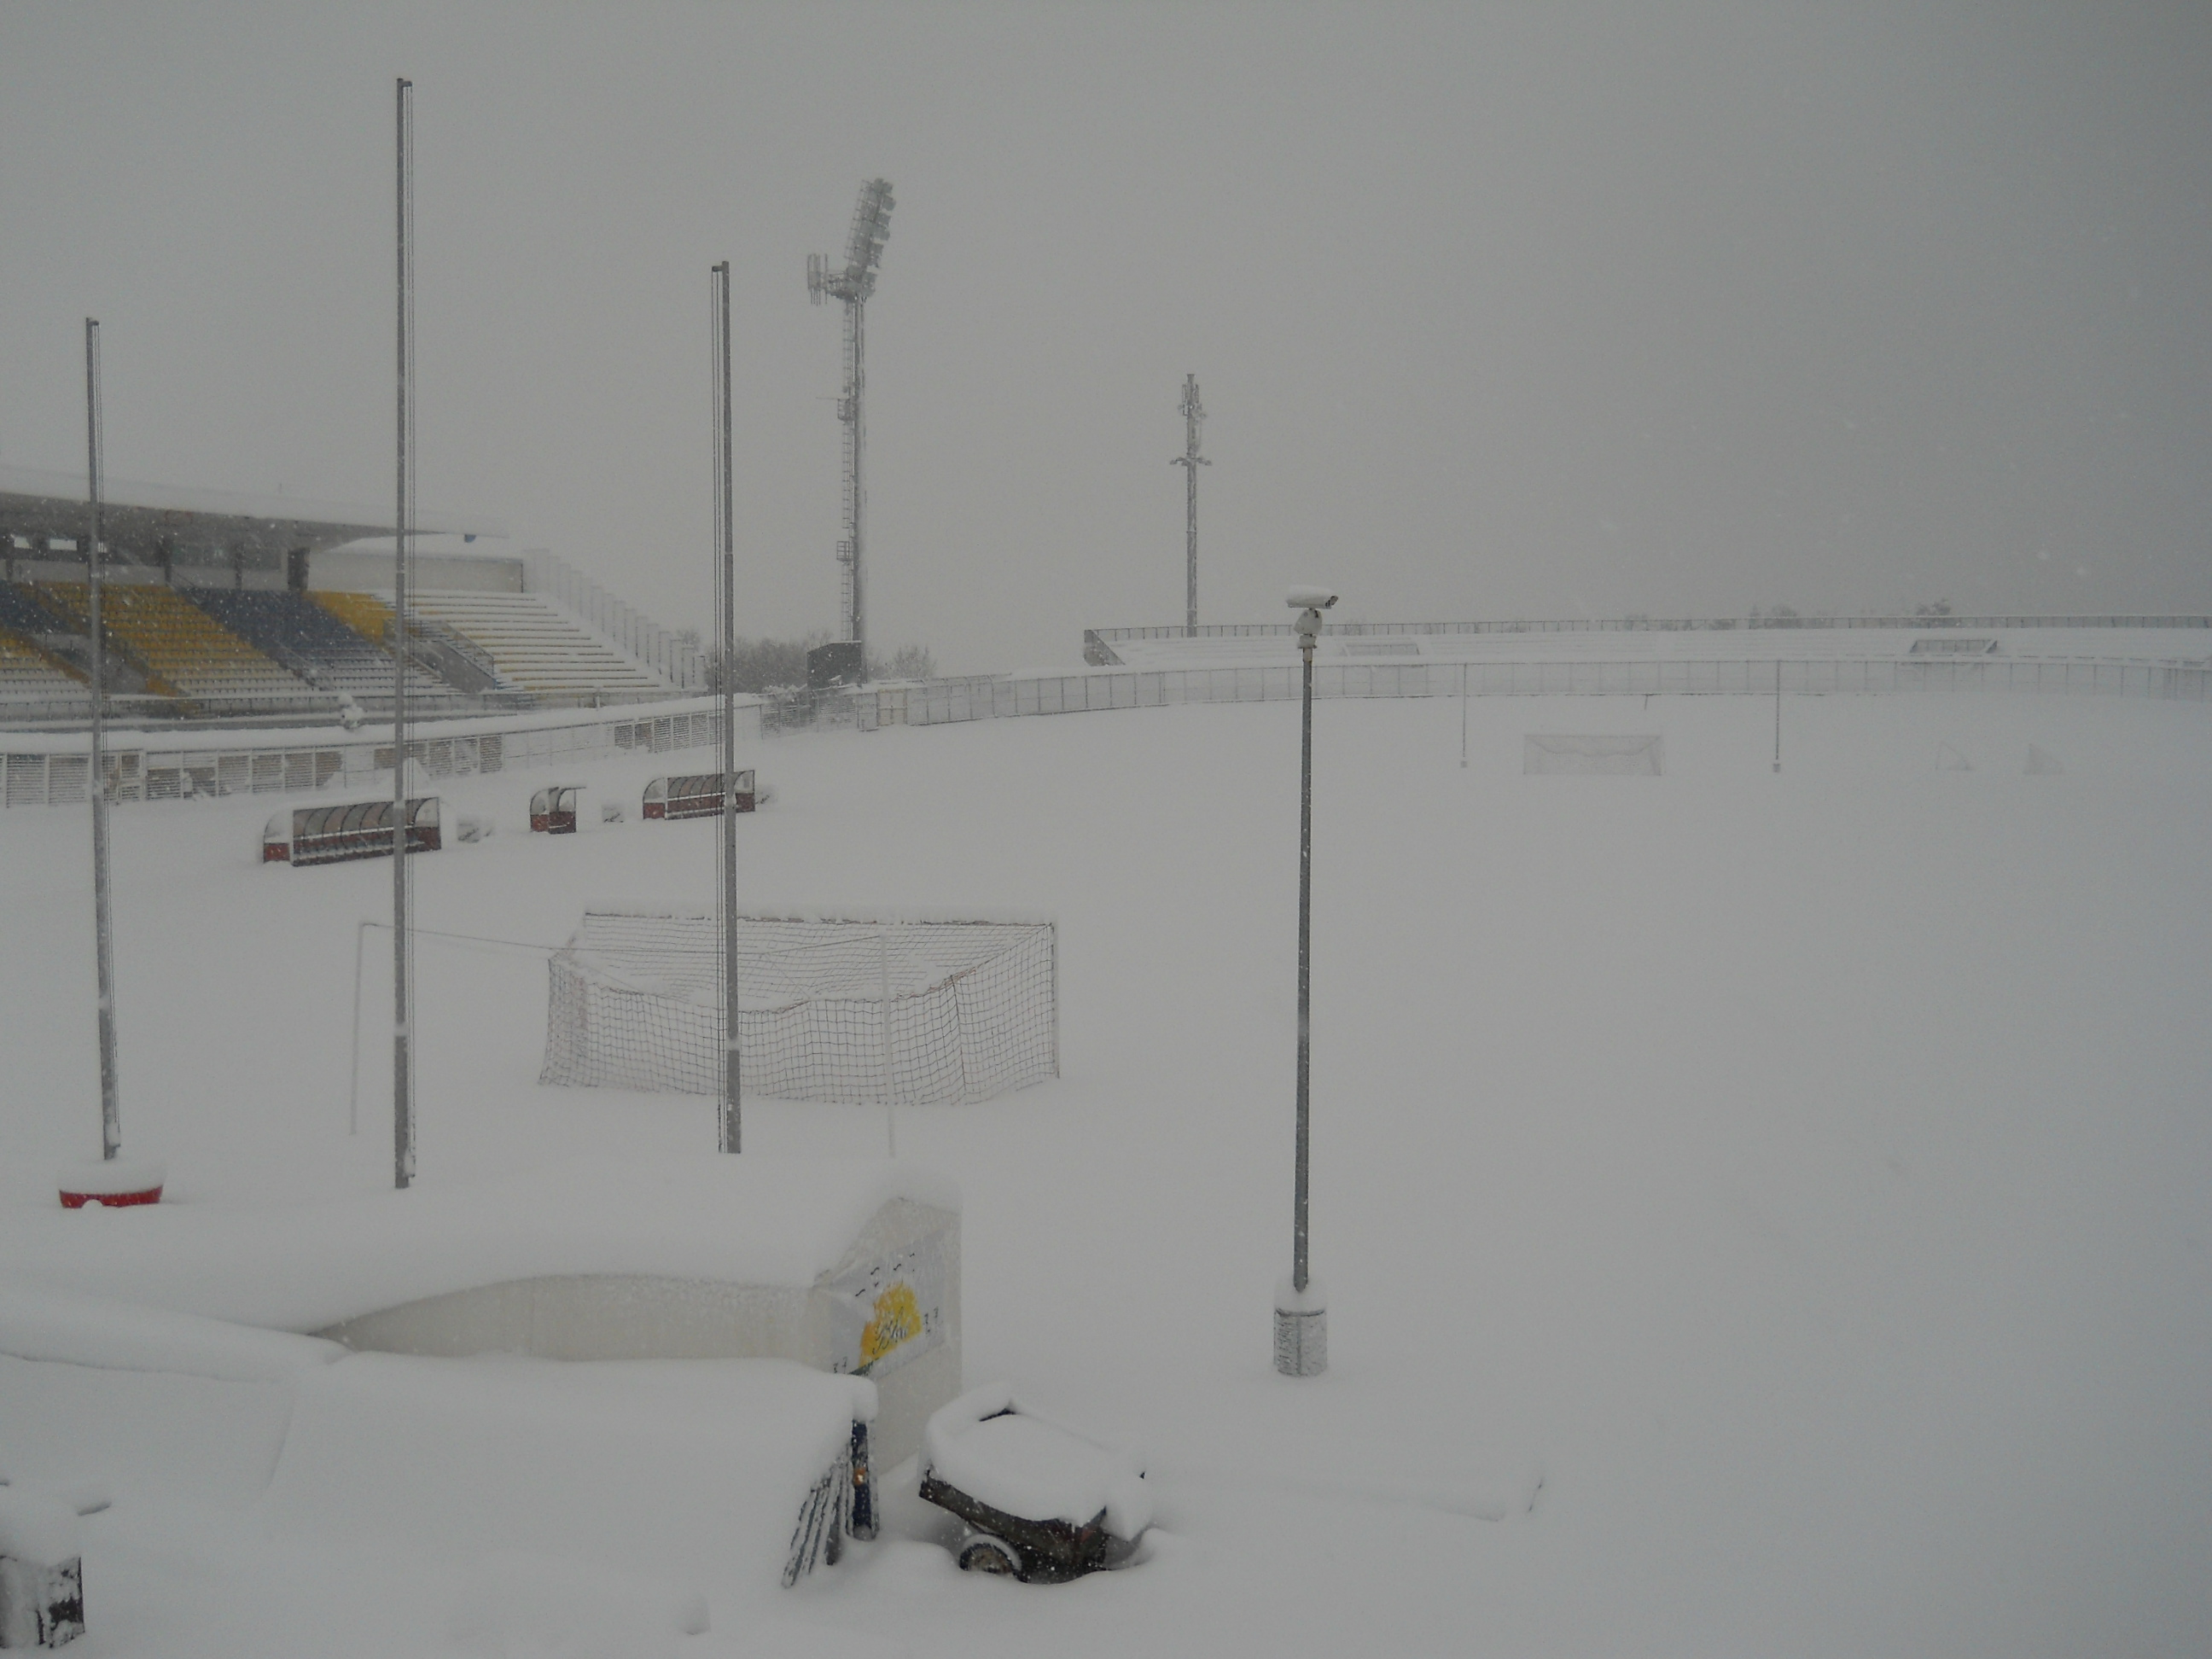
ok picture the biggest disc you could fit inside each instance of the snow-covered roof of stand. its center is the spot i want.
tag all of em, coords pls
(68, 486)
(751, 1220)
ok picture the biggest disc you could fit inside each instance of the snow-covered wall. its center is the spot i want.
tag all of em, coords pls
(890, 1310)
(847, 1266)
(165, 1403)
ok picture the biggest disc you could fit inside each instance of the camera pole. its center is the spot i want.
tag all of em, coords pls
(1301, 1310)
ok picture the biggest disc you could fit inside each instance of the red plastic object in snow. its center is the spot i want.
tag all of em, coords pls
(116, 1182)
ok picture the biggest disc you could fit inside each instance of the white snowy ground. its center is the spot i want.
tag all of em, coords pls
(1806, 1176)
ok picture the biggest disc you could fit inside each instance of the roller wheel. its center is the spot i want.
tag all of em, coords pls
(981, 1552)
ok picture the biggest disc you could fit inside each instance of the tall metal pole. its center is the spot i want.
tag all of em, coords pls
(353, 1051)
(1301, 1315)
(1778, 716)
(890, 1063)
(729, 1133)
(1305, 959)
(856, 318)
(403, 1034)
(1194, 416)
(110, 1105)
(850, 283)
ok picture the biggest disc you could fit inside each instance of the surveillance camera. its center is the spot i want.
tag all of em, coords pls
(1310, 599)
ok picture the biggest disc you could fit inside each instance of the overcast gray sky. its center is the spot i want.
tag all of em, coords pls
(1536, 310)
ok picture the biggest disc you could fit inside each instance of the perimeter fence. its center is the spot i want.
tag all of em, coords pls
(945, 702)
(1638, 625)
(50, 770)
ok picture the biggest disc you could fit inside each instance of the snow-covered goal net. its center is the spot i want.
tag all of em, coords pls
(850, 1008)
(1634, 756)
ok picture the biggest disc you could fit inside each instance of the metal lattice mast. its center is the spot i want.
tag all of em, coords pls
(851, 410)
(851, 283)
(729, 1133)
(1193, 418)
(402, 1031)
(110, 1103)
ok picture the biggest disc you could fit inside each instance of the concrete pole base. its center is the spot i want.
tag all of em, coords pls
(1301, 1329)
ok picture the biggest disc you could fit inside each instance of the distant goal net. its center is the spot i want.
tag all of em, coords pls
(1630, 756)
(846, 1008)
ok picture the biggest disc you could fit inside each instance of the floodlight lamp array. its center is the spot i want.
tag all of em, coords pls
(863, 250)
(872, 228)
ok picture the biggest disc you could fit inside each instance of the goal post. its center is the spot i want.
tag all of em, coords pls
(866, 1008)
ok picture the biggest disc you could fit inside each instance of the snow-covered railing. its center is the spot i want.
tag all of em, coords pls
(939, 702)
(660, 648)
(49, 769)
(74, 711)
(1638, 625)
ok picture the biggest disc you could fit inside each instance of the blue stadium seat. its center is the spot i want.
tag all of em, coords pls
(22, 611)
(306, 639)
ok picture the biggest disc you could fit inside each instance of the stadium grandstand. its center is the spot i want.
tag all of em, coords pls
(30, 674)
(30, 669)
(315, 642)
(534, 648)
(220, 606)
(183, 651)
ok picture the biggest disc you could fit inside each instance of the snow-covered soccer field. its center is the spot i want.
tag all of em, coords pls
(1761, 1215)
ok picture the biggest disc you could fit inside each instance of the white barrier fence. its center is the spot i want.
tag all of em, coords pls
(1920, 625)
(672, 654)
(941, 701)
(48, 770)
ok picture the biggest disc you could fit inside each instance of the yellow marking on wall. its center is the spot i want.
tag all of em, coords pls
(898, 1319)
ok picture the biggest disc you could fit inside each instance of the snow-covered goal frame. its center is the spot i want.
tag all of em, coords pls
(887, 1007)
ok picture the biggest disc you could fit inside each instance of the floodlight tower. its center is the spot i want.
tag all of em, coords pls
(853, 282)
(1193, 418)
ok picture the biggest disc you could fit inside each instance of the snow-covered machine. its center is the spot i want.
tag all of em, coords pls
(1038, 1501)
(42, 1572)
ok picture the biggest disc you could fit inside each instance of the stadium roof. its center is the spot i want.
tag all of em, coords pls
(137, 519)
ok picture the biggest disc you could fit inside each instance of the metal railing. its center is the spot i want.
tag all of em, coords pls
(191, 713)
(683, 664)
(36, 771)
(1640, 625)
(448, 654)
(942, 702)
(316, 708)
(810, 708)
